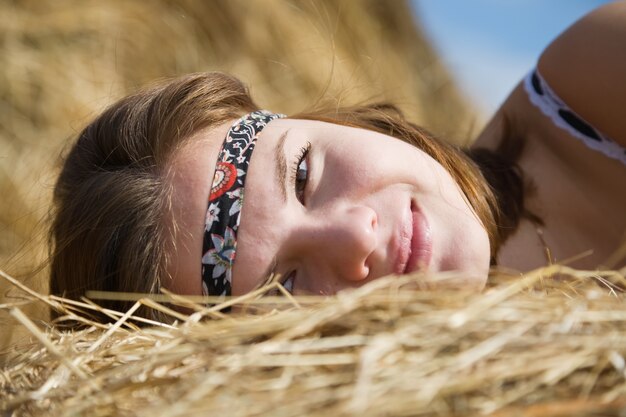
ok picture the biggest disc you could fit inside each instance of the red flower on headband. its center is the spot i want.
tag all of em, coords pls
(224, 178)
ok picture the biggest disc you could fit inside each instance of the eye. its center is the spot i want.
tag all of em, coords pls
(288, 283)
(300, 174)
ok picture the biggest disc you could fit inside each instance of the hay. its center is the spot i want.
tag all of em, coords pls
(550, 343)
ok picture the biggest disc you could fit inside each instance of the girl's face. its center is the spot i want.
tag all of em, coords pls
(328, 207)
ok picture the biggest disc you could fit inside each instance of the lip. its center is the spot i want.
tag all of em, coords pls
(414, 243)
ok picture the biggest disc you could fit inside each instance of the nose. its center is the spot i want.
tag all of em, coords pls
(340, 241)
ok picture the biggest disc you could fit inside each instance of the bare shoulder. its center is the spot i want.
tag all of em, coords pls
(586, 67)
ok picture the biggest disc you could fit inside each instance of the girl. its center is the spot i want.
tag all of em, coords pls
(189, 186)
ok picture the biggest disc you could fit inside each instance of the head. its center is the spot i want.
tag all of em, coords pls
(333, 199)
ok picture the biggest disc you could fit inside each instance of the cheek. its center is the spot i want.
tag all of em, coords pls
(338, 174)
(473, 247)
(463, 241)
(369, 163)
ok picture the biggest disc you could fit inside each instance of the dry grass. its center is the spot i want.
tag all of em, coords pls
(550, 343)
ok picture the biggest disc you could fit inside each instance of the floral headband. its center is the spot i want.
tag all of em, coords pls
(223, 214)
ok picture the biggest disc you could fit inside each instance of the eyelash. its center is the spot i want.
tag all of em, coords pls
(302, 157)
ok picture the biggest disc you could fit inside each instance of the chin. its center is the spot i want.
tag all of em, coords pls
(466, 270)
(474, 281)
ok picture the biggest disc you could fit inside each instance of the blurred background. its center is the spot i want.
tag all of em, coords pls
(446, 63)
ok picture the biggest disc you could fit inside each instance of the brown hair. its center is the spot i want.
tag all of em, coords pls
(111, 199)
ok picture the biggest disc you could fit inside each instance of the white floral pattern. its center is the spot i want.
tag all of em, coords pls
(211, 215)
(237, 197)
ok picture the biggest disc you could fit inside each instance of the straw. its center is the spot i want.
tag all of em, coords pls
(553, 346)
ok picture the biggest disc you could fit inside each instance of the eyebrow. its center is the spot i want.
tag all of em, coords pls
(281, 165)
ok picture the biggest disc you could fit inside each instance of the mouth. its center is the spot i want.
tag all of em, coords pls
(415, 243)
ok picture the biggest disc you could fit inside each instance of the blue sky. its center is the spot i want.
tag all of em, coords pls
(490, 44)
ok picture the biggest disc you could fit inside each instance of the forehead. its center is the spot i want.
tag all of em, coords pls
(190, 174)
(263, 196)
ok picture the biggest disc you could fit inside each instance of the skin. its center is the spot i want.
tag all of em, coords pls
(356, 221)
(579, 193)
